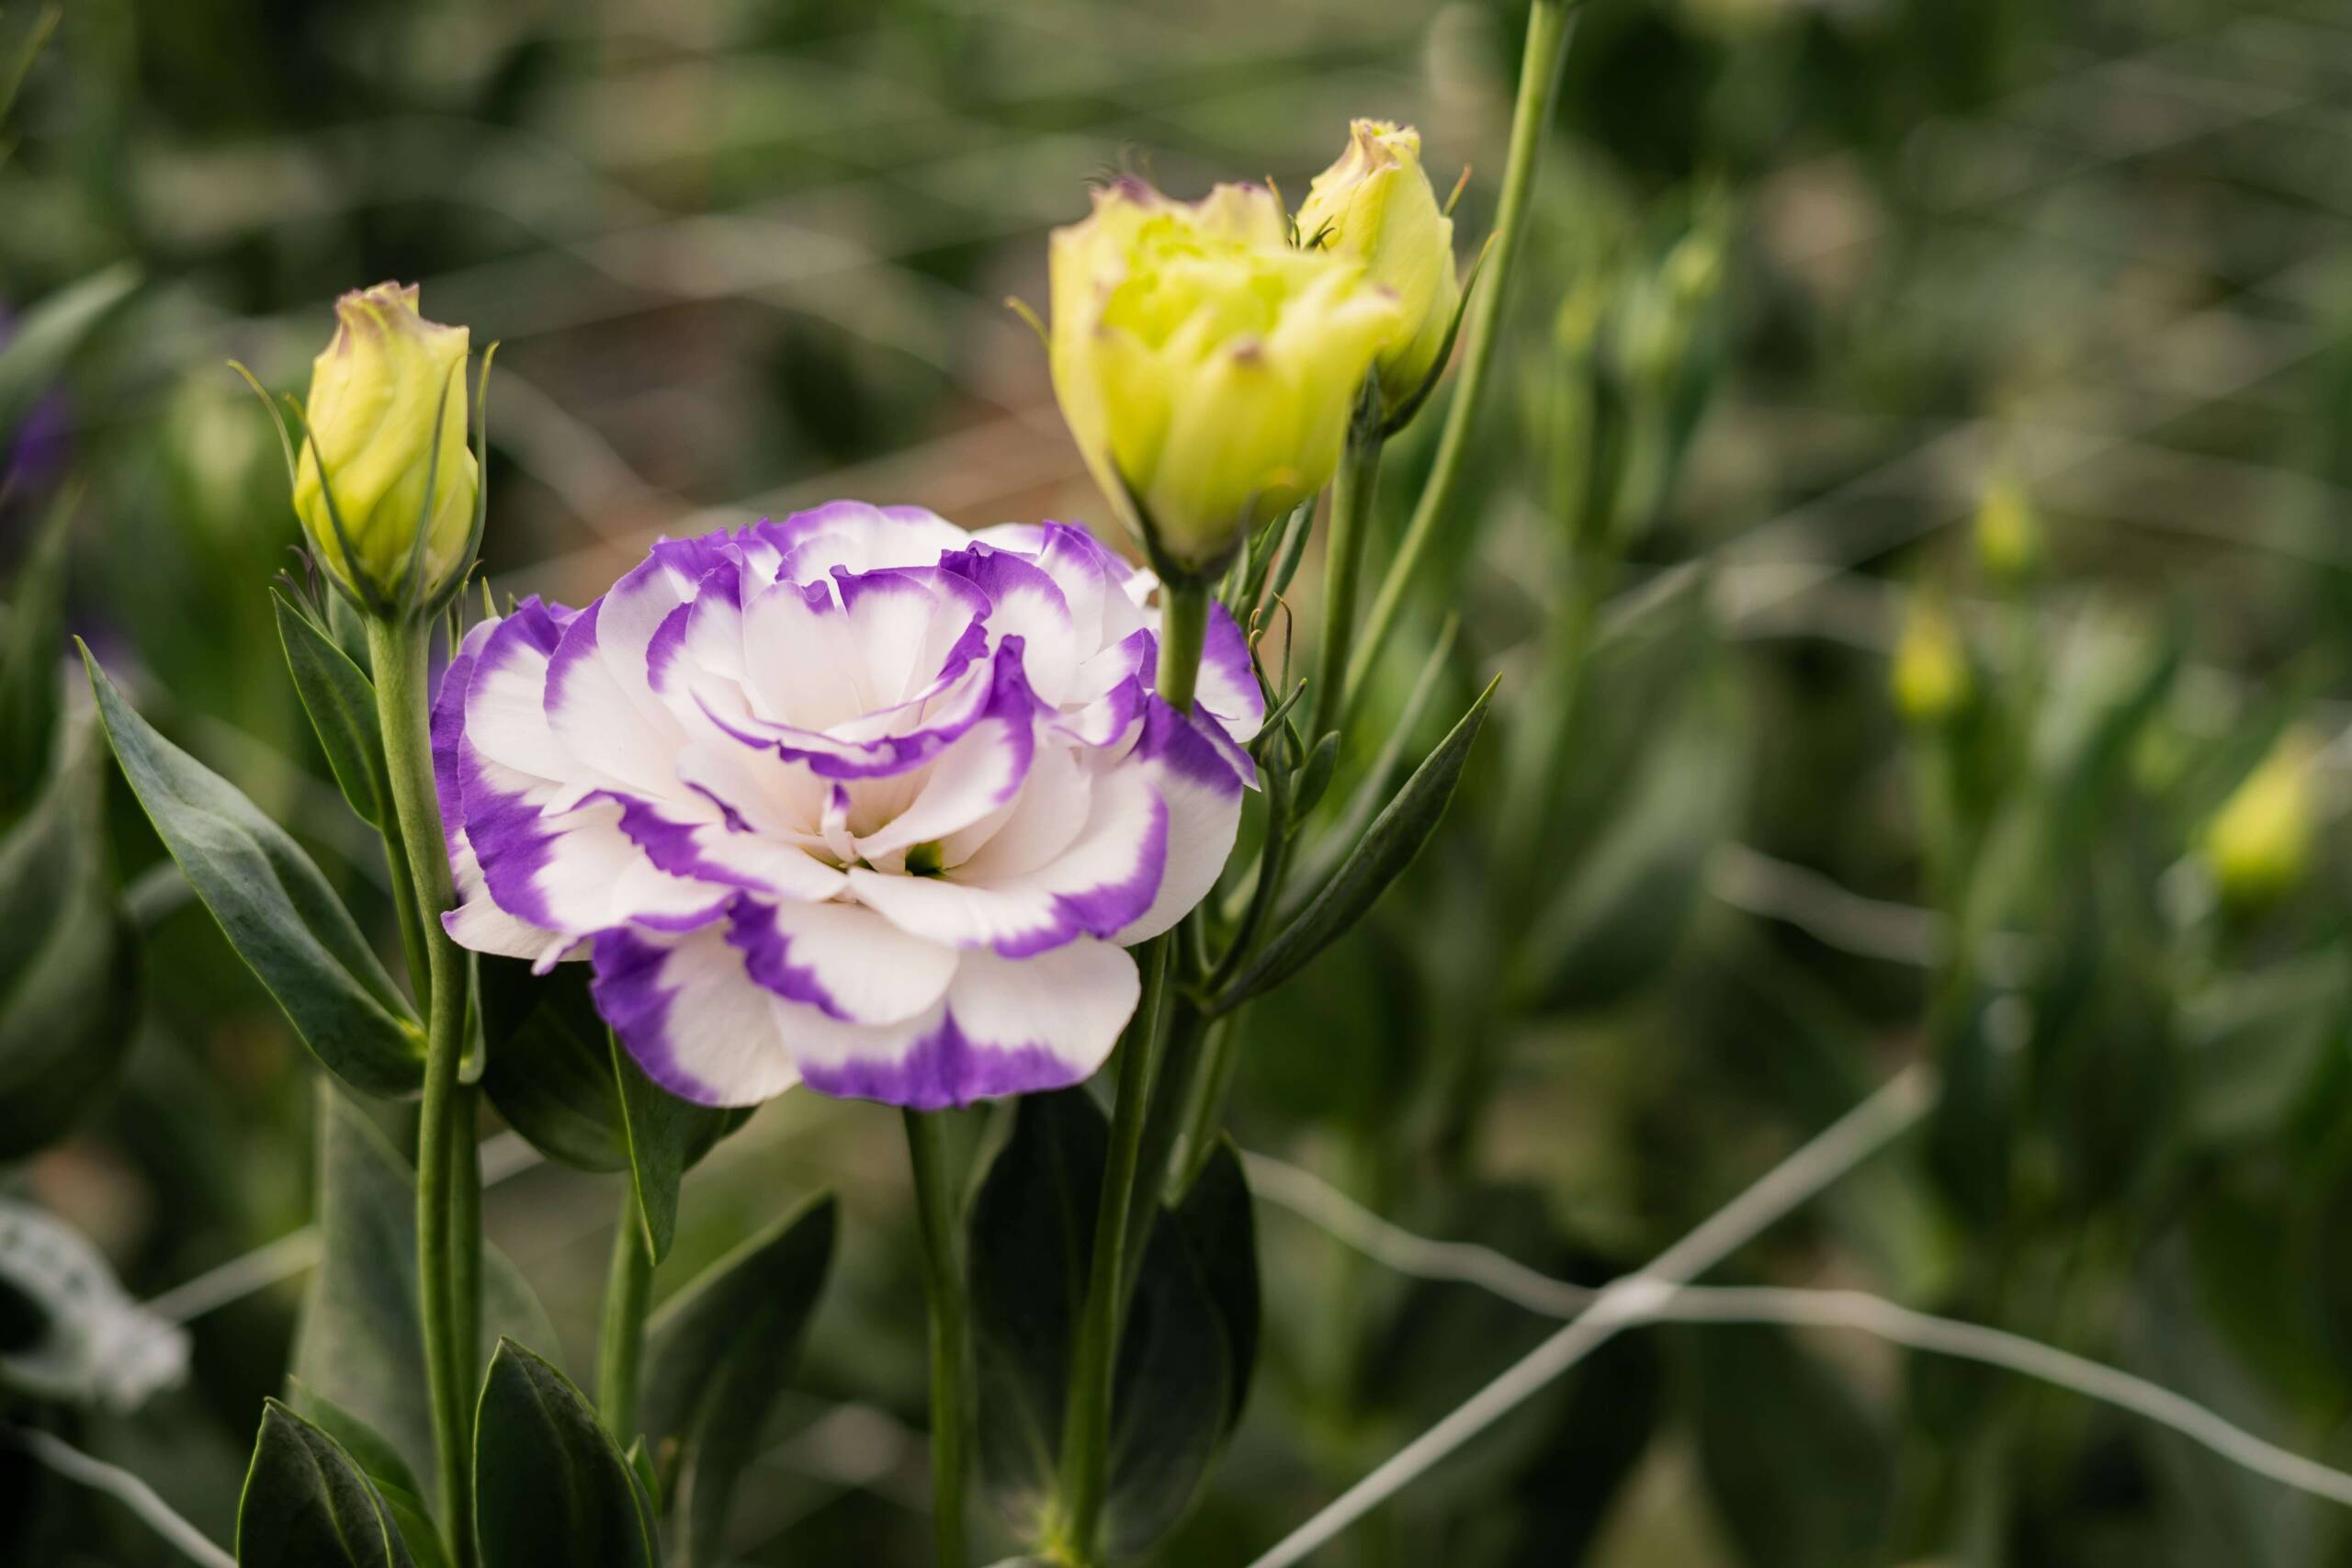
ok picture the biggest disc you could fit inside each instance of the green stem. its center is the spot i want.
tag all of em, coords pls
(942, 1281)
(620, 1336)
(1212, 1079)
(412, 925)
(1183, 627)
(1352, 493)
(397, 654)
(1181, 1032)
(1539, 74)
(465, 1243)
(1086, 1421)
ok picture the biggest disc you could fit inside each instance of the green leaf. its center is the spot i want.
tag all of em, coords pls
(550, 1489)
(717, 1357)
(49, 335)
(273, 905)
(1800, 1472)
(550, 1069)
(2255, 1046)
(1030, 1236)
(29, 677)
(358, 1345)
(69, 963)
(307, 1503)
(383, 1465)
(666, 1136)
(341, 702)
(1386, 848)
(1220, 1229)
(1626, 894)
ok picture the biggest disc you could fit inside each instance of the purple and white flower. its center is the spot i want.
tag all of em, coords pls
(856, 799)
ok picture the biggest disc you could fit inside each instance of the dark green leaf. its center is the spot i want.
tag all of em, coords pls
(1971, 1131)
(1387, 847)
(47, 337)
(1220, 1229)
(1626, 894)
(1031, 1237)
(666, 1136)
(273, 906)
(1798, 1468)
(69, 962)
(358, 1345)
(1379, 777)
(341, 706)
(550, 1489)
(308, 1504)
(2254, 1046)
(550, 1067)
(30, 657)
(384, 1466)
(717, 1357)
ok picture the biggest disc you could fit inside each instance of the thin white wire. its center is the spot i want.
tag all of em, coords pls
(124, 1487)
(504, 1157)
(1334, 1213)
(1845, 1143)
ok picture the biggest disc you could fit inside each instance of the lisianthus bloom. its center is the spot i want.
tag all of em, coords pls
(1205, 365)
(379, 392)
(856, 799)
(1375, 204)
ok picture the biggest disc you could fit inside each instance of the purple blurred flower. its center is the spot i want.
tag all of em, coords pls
(37, 454)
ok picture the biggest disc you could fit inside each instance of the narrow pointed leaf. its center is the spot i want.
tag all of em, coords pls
(718, 1357)
(31, 655)
(69, 963)
(308, 1504)
(273, 905)
(550, 1489)
(49, 335)
(342, 704)
(1378, 858)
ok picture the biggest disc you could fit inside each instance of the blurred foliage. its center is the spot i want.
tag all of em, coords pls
(1849, 334)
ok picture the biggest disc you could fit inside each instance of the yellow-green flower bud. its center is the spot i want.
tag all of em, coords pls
(2008, 539)
(1930, 676)
(1376, 205)
(378, 394)
(1206, 366)
(2259, 844)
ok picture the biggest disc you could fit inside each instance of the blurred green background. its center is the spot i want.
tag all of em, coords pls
(1915, 509)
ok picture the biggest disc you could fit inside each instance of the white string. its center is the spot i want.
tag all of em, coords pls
(503, 1157)
(1327, 1209)
(1845, 1143)
(124, 1487)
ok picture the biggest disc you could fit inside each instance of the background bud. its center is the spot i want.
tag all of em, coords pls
(1931, 678)
(2008, 536)
(1206, 368)
(378, 391)
(1375, 206)
(2260, 843)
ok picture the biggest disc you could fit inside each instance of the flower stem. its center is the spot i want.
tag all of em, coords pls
(1183, 627)
(943, 1280)
(1086, 1420)
(620, 1335)
(1352, 492)
(1547, 42)
(397, 654)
